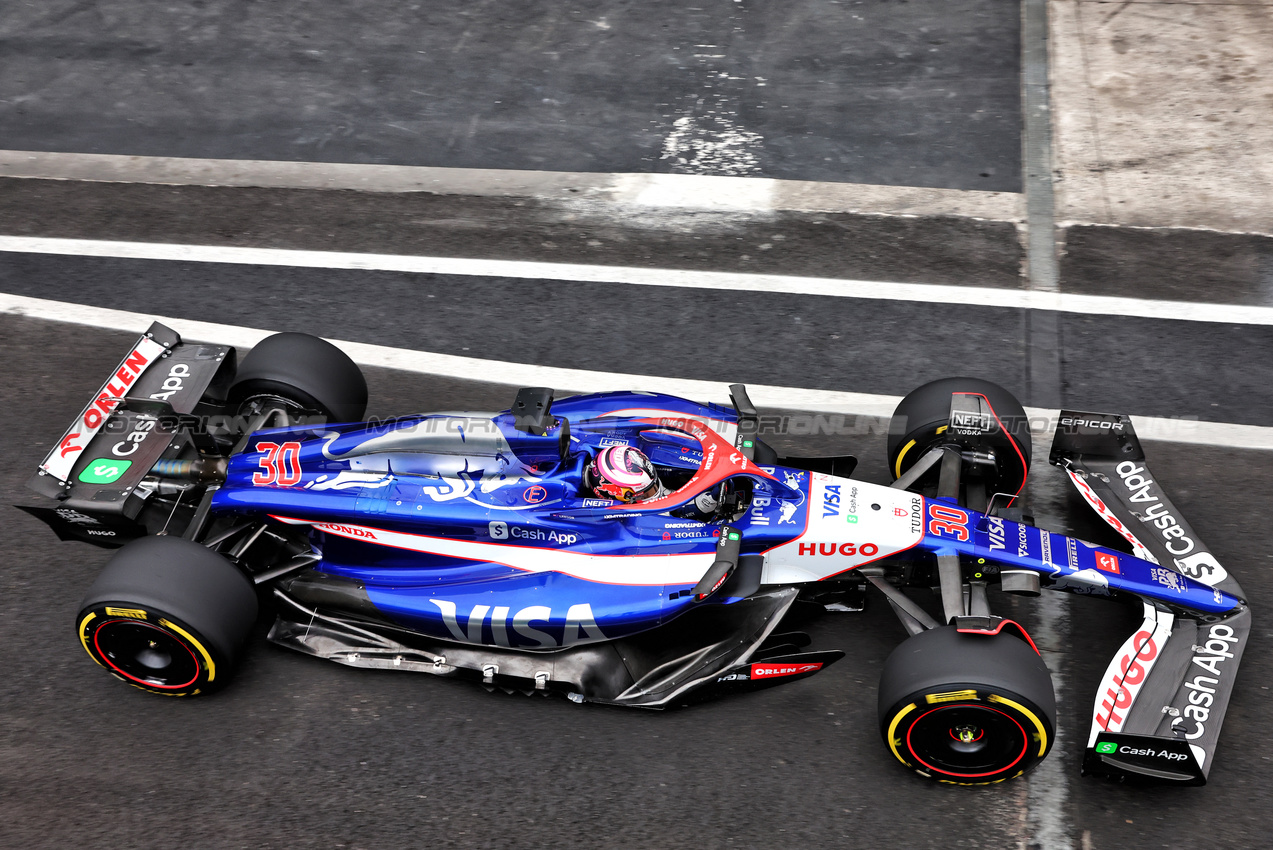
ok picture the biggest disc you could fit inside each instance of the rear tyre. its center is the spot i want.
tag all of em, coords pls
(305, 370)
(168, 616)
(922, 417)
(967, 709)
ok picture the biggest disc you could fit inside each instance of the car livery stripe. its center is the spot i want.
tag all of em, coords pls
(1089, 496)
(631, 570)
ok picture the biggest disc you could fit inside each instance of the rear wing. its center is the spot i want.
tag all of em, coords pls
(1161, 704)
(131, 422)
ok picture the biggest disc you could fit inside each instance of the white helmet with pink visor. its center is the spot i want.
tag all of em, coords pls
(623, 473)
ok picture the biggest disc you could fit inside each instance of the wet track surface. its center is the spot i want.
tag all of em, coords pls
(919, 93)
(299, 752)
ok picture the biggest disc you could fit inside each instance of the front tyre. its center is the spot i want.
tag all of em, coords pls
(168, 616)
(922, 419)
(967, 709)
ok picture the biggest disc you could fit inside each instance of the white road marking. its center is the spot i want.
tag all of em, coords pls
(581, 380)
(688, 191)
(680, 278)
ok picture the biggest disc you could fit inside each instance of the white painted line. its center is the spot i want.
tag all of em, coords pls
(463, 368)
(581, 380)
(684, 191)
(729, 281)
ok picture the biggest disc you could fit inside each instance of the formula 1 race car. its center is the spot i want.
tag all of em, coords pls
(467, 544)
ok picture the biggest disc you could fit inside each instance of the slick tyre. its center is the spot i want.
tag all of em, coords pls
(921, 419)
(305, 370)
(967, 709)
(168, 616)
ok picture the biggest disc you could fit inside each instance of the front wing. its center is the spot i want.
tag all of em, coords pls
(1162, 701)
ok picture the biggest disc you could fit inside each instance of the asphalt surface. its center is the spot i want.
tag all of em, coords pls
(298, 752)
(957, 251)
(818, 342)
(1172, 264)
(920, 93)
(1168, 264)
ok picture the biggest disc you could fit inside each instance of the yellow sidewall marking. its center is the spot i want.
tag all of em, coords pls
(941, 429)
(897, 467)
(1038, 724)
(212, 668)
(84, 638)
(132, 613)
(892, 729)
(973, 784)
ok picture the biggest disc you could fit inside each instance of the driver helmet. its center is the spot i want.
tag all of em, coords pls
(623, 473)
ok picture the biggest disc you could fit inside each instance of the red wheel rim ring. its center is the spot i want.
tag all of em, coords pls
(1025, 741)
(101, 654)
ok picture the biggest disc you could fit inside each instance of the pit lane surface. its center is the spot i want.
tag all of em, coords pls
(299, 752)
(920, 93)
(1150, 367)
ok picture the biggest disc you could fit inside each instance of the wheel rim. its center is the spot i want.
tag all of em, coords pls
(146, 654)
(967, 740)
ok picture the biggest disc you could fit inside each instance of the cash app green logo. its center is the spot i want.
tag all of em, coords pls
(104, 470)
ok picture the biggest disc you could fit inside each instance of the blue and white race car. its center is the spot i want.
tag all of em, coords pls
(471, 544)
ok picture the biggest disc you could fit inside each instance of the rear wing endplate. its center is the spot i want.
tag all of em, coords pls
(130, 422)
